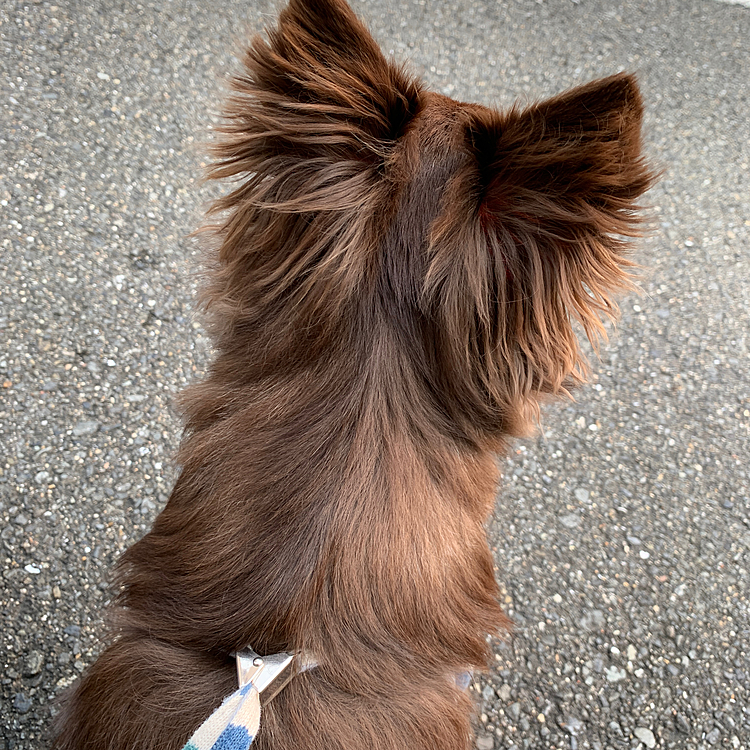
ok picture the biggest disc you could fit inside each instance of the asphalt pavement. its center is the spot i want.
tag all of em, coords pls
(622, 532)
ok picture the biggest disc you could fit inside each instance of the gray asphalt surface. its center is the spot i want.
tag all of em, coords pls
(622, 533)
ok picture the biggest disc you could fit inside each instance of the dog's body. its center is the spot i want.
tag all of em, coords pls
(391, 297)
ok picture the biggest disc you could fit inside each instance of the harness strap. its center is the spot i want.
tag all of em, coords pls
(233, 725)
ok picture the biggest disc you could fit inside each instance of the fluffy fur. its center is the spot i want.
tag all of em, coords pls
(392, 292)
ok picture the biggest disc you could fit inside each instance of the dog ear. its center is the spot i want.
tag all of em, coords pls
(559, 182)
(533, 232)
(312, 118)
(318, 89)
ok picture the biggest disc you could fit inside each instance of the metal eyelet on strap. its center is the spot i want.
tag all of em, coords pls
(269, 674)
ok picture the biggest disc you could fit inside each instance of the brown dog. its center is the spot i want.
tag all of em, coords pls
(392, 295)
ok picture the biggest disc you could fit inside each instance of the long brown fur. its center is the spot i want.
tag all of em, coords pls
(393, 292)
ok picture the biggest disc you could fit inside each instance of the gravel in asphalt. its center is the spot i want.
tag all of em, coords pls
(622, 532)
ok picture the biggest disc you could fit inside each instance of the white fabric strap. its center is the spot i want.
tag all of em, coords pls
(233, 725)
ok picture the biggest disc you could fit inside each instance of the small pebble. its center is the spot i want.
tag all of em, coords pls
(713, 736)
(571, 520)
(85, 428)
(615, 674)
(682, 723)
(646, 736)
(34, 664)
(21, 703)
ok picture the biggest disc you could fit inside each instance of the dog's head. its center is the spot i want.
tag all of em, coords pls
(475, 237)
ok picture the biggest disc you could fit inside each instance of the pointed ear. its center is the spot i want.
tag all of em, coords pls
(313, 116)
(559, 187)
(576, 157)
(319, 88)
